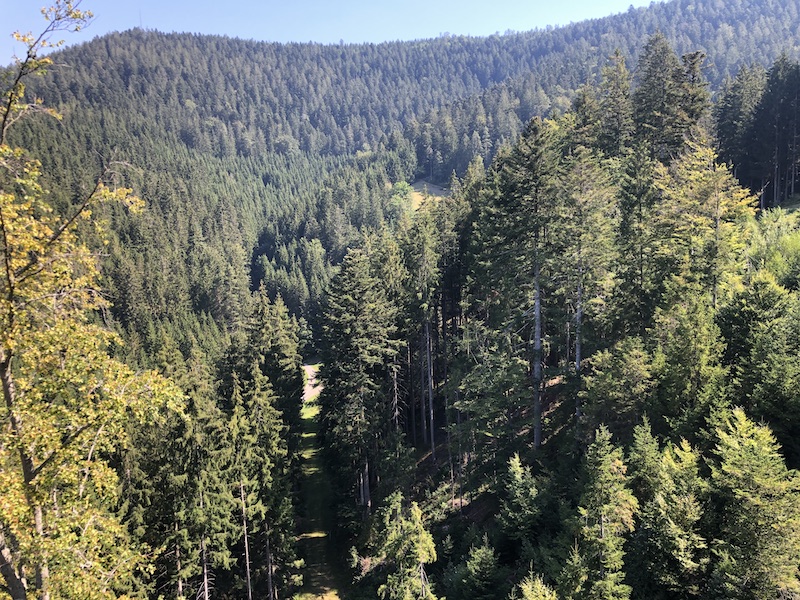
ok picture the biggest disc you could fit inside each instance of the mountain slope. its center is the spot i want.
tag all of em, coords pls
(239, 146)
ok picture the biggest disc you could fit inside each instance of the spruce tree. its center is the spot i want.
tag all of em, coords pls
(606, 514)
(668, 551)
(616, 108)
(534, 588)
(520, 220)
(588, 248)
(640, 271)
(657, 99)
(402, 548)
(701, 219)
(757, 502)
(734, 116)
(670, 99)
(357, 344)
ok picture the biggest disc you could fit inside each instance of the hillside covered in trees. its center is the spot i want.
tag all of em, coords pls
(575, 376)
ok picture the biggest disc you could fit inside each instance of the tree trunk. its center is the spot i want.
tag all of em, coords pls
(28, 473)
(578, 344)
(395, 396)
(429, 363)
(271, 591)
(413, 396)
(206, 589)
(246, 542)
(178, 566)
(206, 584)
(578, 326)
(367, 491)
(460, 470)
(537, 358)
(422, 413)
(15, 582)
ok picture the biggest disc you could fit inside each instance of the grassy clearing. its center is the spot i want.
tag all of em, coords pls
(422, 189)
(792, 204)
(320, 581)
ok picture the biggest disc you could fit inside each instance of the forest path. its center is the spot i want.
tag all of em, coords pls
(319, 578)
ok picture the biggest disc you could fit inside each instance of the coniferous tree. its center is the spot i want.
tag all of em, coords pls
(482, 576)
(587, 228)
(691, 377)
(274, 343)
(493, 395)
(670, 99)
(357, 343)
(606, 515)
(641, 272)
(422, 258)
(519, 220)
(619, 386)
(403, 547)
(756, 496)
(616, 108)
(668, 552)
(774, 132)
(657, 99)
(701, 219)
(735, 114)
(533, 588)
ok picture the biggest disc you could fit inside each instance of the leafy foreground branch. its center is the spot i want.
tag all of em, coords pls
(66, 401)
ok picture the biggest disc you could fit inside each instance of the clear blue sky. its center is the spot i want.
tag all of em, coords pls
(326, 21)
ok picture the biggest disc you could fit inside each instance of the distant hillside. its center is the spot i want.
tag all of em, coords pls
(226, 96)
(270, 158)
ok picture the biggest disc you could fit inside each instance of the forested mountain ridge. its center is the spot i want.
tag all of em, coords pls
(218, 112)
(563, 361)
(232, 96)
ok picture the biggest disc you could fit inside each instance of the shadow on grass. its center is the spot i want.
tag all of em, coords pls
(321, 576)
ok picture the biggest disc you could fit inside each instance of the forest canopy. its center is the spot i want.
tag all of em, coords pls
(570, 373)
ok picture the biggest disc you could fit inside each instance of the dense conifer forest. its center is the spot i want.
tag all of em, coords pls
(572, 374)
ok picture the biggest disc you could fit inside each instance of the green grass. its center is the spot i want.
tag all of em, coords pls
(423, 189)
(792, 204)
(320, 578)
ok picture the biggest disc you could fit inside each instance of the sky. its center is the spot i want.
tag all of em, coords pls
(325, 21)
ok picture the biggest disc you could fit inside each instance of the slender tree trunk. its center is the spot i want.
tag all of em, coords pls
(410, 365)
(206, 584)
(246, 542)
(447, 405)
(717, 243)
(28, 473)
(578, 327)
(792, 171)
(422, 413)
(271, 591)
(640, 251)
(537, 358)
(776, 186)
(578, 347)
(460, 471)
(395, 396)
(367, 492)
(43, 570)
(178, 565)
(15, 582)
(429, 363)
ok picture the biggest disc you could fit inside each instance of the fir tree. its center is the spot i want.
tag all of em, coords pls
(606, 515)
(758, 508)
(357, 343)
